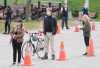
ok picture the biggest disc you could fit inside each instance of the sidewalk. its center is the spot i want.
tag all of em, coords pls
(74, 47)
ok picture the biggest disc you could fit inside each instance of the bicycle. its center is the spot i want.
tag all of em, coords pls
(34, 49)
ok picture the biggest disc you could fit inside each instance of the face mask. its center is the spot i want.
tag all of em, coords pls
(49, 13)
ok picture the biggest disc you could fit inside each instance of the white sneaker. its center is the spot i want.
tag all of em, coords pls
(13, 64)
(18, 64)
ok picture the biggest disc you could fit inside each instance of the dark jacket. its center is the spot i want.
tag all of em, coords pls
(85, 11)
(64, 12)
(53, 25)
(86, 29)
(8, 14)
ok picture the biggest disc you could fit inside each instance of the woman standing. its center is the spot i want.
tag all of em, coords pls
(17, 39)
(86, 31)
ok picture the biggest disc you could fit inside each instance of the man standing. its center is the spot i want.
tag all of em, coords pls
(64, 11)
(8, 20)
(49, 30)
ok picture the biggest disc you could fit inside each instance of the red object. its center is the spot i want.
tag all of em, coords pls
(62, 54)
(58, 29)
(91, 48)
(77, 29)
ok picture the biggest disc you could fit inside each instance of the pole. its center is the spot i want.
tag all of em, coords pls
(65, 1)
(87, 2)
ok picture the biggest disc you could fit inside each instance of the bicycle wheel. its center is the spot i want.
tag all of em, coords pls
(40, 49)
(24, 49)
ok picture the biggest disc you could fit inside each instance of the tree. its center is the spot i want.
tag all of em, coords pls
(16, 1)
(28, 9)
(5, 3)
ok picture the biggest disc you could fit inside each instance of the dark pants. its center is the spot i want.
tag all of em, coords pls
(7, 25)
(65, 19)
(83, 22)
(16, 48)
(86, 40)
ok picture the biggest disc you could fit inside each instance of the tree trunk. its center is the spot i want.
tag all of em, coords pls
(28, 10)
(5, 5)
(16, 1)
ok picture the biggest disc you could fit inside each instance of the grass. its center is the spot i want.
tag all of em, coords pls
(31, 25)
(24, 1)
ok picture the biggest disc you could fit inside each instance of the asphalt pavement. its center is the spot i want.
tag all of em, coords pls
(74, 48)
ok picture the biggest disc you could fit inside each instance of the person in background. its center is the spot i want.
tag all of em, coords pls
(17, 35)
(85, 10)
(64, 11)
(49, 30)
(86, 31)
(8, 20)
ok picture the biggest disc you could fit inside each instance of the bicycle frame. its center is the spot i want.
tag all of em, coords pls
(38, 42)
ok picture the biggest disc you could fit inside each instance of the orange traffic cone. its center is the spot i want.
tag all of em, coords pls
(27, 59)
(76, 28)
(93, 26)
(91, 48)
(62, 55)
(58, 29)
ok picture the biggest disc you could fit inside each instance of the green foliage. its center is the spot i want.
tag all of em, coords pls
(76, 6)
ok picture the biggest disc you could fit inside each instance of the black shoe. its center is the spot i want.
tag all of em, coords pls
(53, 57)
(13, 64)
(8, 32)
(85, 53)
(45, 56)
(4, 33)
(67, 28)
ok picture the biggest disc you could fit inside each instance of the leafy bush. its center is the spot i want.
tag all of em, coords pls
(76, 5)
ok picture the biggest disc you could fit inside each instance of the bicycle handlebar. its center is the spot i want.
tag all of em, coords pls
(31, 33)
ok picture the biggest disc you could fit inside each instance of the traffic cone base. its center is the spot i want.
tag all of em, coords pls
(91, 48)
(61, 59)
(27, 64)
(62, 54)
(90, 55)
(27, 61)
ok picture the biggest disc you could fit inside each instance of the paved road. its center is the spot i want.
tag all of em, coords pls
(74, 48)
